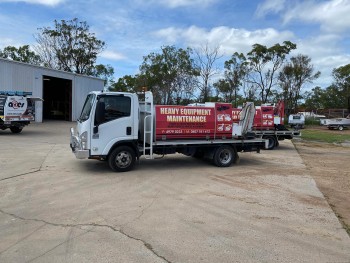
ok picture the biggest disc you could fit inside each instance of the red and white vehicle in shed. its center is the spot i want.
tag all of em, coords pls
(17, 109)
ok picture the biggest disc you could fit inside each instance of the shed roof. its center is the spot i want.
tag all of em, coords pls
(46, 68)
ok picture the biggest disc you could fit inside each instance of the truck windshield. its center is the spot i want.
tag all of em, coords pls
(85, 113)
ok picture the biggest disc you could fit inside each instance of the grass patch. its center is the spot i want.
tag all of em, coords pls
(312, 121)
(324, 136)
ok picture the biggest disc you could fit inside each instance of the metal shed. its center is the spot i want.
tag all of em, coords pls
(64, 93)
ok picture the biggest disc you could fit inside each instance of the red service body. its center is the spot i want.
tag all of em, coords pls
(194, 122)
(266, 116)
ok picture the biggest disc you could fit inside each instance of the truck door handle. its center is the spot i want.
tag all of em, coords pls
(128, 130)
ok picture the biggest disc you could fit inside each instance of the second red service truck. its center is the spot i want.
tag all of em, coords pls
(269, 124)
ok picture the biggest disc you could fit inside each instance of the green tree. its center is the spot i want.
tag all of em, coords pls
(21, 54)
(314, 99)
(104, 72)
(329, 98)
(127, 83)
(341, 77)
(69, 46)
(235, 72)
(333, 98)
(293, 76)
(169, 74)
(264, 65)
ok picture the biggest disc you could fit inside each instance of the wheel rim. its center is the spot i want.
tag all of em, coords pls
(271, 143)
(340, 128)
(225, 157)
(123, 159)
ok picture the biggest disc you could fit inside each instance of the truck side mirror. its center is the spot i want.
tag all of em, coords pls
(100, 113)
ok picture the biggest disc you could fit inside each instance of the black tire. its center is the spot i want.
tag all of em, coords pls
(16, 129)
(122, 159)
(272, 142)
(340, 128)
(224, 156)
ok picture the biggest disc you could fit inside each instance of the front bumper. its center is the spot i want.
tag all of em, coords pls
(76, 146)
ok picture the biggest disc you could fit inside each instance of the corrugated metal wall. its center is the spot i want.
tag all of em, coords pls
(26, 77)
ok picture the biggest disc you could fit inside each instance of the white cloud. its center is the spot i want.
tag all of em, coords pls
(228, 39)
(181, 3)
(332, 15)
(112, 55)
(324, 50)
(40, 2)
(326, 47)
(270, 6)
(325, 54)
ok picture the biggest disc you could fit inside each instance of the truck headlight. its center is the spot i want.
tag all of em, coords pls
(83, 140)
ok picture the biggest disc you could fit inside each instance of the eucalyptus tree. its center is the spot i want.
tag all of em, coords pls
(293, 76)
(21, 54)
(264, 65)
(69, 46)
(169, 74)
(235, 71)
(341, 77)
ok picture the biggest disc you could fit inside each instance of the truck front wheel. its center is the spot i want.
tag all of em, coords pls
(224, 156)
(122, 159)
(15, 129)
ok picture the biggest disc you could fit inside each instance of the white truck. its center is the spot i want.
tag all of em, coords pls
(337, 123)
(16, 110)
(296, 121)
(118, 128)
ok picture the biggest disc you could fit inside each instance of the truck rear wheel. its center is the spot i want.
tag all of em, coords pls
(224, 156)
(340, 128)
(15, 129)
(122, 159)
(272, 142)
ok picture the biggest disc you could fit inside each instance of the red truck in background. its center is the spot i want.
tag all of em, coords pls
(269, 123)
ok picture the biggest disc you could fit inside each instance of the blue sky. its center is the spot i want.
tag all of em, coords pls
(134, 28)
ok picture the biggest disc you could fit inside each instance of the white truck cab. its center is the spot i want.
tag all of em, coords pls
(106, 119)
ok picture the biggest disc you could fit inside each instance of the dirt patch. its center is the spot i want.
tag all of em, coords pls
(329, 165)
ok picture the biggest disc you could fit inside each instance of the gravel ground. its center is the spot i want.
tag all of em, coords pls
(55, 208)
(329, 165)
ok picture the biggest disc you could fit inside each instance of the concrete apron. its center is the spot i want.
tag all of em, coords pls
(55, 208)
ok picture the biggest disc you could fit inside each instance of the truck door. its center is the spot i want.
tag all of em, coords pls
(117, 124)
